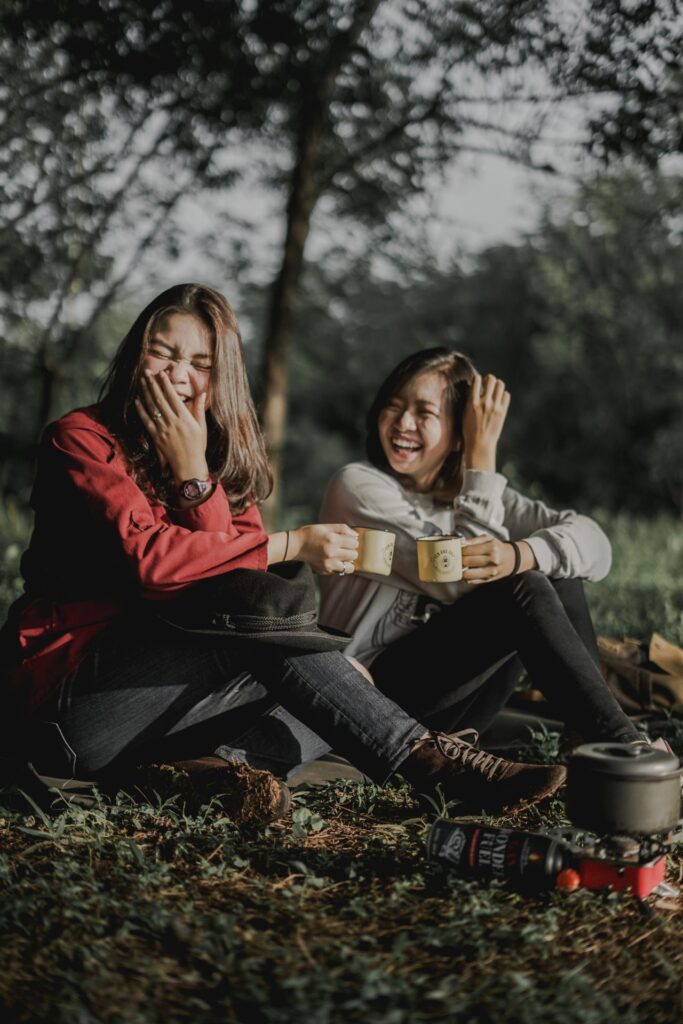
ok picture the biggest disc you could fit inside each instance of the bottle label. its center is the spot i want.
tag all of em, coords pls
(524, 859)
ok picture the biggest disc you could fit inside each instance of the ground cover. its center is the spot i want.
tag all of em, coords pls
(138, 913)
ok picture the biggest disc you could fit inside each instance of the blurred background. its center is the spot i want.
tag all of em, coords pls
(361, 179)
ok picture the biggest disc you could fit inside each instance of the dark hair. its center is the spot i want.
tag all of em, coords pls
(236, 452)
(458, 372)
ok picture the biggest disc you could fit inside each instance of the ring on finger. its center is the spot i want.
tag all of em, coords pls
(157, 415)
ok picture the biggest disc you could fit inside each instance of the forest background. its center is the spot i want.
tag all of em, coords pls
(293, 154)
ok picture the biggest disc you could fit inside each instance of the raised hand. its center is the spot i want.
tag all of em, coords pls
(485, 411)
(177, 429)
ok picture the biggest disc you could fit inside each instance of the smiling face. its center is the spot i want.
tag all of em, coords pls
(416, 431)
(181, 346)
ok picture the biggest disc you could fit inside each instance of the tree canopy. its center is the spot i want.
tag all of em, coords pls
(117, 111)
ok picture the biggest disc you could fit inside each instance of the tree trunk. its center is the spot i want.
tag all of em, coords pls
(303, 195)
(302, 200)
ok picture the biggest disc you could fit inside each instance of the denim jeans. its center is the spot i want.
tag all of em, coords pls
(149, 692)
(435, 673)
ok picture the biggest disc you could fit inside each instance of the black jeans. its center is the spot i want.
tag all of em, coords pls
(148, 692)
(544, 623)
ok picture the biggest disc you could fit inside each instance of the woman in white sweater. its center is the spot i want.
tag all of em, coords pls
(450, 653)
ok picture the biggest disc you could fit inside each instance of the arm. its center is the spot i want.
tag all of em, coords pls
(565, 544)
(161, 556)
(327, 547)
(479, 506)
(560, 544)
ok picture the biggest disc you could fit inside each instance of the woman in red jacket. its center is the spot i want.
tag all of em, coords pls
(141, 499)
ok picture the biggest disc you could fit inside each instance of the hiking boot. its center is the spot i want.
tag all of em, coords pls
(479, 779)
(249, 796)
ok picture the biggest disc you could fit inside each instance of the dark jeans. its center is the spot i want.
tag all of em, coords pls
(149, 692)
(544, 624)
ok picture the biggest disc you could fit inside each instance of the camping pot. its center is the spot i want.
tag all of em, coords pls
(623, 789)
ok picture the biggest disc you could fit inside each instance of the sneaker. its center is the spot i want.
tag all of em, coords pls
(481, 780)
(661, 744)
(249, 796)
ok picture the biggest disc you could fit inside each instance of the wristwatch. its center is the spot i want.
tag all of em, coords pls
(193, 489)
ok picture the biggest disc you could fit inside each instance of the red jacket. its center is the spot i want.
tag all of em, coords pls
(99, 544)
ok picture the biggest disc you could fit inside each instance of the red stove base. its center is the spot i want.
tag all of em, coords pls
(640, 879)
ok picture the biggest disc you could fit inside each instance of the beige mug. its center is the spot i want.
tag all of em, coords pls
(439, 559)
(375, 550)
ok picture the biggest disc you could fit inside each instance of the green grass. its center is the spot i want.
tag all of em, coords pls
(644, 590)
(132, 913)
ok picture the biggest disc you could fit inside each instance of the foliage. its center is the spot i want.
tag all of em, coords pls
(606, 287)
(582, 320)
(137, 913)
(14, 537)
(121, 111)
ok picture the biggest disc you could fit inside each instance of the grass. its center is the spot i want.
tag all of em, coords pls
(644, 590)
(134, 913)
(137, 913)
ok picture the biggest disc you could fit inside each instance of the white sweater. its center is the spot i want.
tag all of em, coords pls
(377, 610)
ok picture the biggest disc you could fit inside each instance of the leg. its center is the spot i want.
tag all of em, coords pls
(479, 711)
(523, 614)
(150, 692)
(115, 721)
(264, 744)
(278, 742)
(572, 595)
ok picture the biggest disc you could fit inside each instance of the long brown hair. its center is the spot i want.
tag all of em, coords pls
(236, 453)
(458, 372)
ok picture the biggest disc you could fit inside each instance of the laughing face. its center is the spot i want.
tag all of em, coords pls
(181, 348)
(416, 430)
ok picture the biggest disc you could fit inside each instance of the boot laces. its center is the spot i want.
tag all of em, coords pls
(453, 746)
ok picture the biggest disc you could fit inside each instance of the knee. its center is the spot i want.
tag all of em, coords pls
(571, 588)
(572, 596)
(532, 586)
(533, 581)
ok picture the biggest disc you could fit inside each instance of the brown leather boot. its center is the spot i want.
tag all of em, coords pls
(479, 779)
(249, 796)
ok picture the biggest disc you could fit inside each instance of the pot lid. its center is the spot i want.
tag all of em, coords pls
(624, 760)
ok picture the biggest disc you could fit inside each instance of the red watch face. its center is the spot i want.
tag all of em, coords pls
(193, 489)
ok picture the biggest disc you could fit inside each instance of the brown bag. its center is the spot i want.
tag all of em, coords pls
(643, 677)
